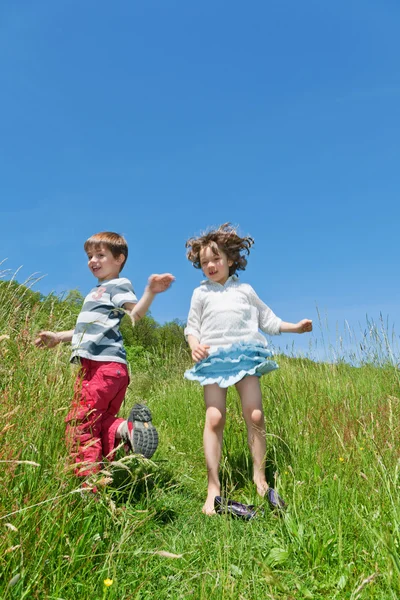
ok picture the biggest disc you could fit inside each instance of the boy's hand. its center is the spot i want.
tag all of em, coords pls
(304, 326)
(199, 352)
(160, 283)
(47, 339)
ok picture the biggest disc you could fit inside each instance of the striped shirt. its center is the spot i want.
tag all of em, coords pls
(97, 335)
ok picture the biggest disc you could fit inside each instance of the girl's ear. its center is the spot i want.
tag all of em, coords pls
(230, 263)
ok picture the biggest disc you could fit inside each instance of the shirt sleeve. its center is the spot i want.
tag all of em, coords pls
(122, 293)
(268, 322)
(194, 318)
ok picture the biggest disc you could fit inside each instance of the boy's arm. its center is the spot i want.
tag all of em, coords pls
(156, 285)
(303, 326)
(50, 339)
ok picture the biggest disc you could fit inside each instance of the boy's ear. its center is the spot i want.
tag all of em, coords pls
(120, 259)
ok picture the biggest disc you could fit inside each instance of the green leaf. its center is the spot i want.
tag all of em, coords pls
(277, 556)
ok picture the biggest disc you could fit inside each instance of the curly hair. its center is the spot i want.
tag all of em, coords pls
(224, 238)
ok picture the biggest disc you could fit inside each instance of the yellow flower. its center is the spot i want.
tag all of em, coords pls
(108, 582)
(341, 458)
(361, 448)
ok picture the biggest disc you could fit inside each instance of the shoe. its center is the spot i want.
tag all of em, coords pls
(274, 499)
(236, 509)
(139, 434)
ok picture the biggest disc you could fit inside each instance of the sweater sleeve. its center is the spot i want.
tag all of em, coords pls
(268, 322)
(194, 318)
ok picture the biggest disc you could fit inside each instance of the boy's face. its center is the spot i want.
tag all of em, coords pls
(102, 263)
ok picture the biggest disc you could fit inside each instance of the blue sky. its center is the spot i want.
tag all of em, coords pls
(158, 119)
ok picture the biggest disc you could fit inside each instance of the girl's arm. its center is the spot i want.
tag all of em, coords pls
(192, 329)
(273, 325)
(303, 326)
(199, 351)
(156, 285)
(50, 339)
(268, 322)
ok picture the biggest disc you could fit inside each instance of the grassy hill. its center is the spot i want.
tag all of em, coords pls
(333, 453)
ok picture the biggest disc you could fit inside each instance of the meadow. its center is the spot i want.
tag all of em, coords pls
(332, 452)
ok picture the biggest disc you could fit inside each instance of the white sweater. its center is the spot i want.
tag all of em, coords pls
(221, 315)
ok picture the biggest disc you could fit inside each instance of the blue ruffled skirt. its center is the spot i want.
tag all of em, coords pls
(229, 365)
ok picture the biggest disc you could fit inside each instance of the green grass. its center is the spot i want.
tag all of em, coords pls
(332, 450)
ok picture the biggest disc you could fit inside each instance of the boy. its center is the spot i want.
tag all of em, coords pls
(93, 430)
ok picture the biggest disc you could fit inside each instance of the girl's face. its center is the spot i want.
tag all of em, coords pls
(215, 264)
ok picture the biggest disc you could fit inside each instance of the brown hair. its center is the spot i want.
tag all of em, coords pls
(224, 238)
(114, 242)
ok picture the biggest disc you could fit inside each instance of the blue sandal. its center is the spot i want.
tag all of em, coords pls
(274, 499)
(236, 509)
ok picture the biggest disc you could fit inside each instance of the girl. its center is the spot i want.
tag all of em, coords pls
(223, 333)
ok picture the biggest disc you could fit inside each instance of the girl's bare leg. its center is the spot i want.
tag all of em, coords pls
(215, 401)
(251, 399)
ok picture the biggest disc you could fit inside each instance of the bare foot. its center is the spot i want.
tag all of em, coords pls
(208, 508)
(262, 487)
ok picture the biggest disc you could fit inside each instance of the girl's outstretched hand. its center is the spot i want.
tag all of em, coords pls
(304, 326)
(47, 339)
(160, 283)
(199, 352)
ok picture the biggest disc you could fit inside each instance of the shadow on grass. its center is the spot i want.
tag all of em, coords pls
(237, 469)
(144, 484)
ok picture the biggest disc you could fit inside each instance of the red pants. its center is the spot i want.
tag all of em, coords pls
(92, 422)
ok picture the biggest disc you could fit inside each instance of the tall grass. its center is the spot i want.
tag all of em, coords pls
(333, 443)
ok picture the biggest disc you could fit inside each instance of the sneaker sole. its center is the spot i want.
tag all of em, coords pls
(145, 435)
